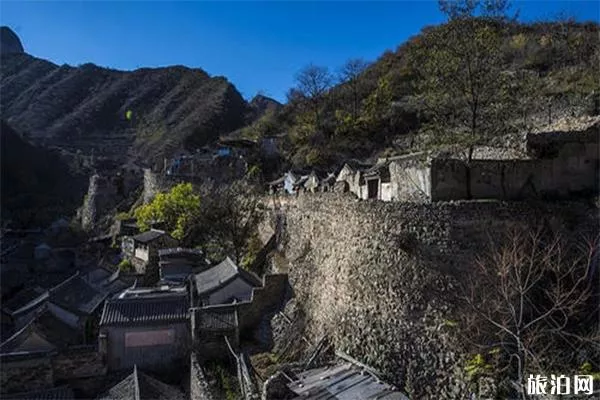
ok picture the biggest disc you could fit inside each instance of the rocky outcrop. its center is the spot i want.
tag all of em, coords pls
(9, 41)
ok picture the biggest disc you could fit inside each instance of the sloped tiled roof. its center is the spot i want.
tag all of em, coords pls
(207, 319)
(24, 300)
(77, 296)
(27, 340)
(220, 275)
(44, 332)
(149, 236)
(139, 386)
(58, 393)
(145, 310)
(343, 382)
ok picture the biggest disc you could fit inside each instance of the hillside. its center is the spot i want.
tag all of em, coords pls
(37, 179)
(143, 113)
(419, 95)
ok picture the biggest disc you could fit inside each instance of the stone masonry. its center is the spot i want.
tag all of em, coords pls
(379, 278)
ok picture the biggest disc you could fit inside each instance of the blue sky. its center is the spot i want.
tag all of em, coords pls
(258, 46)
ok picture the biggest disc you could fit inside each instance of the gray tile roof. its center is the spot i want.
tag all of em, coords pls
(58, 393)
(45, 332)
(176, 271)
(220, 275)
(343, 382)
(212, 320)
(77, 296)
(145, 310)
(24, 300)
(139, 386)
(149, 236)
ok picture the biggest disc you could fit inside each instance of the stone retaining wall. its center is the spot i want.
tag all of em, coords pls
(380, 278)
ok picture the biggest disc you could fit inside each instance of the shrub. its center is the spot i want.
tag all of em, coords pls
(126, 266)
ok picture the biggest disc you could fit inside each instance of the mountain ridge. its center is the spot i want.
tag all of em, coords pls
(141, 115)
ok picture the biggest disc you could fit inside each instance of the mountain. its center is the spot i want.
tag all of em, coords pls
(139, 115)
(260, 104)
(34, 178)
(9, 41)
(548, 69)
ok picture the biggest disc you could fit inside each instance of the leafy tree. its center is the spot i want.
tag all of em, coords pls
(176, 209)
(227, 221)
(461, 83)
(377, 106)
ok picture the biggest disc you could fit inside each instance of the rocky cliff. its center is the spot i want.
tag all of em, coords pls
(380, 279)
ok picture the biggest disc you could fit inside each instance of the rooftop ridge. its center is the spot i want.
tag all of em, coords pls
(55, 288)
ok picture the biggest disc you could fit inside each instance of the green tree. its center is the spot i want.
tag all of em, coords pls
(176, 209)
(228, 220)
(461, 79)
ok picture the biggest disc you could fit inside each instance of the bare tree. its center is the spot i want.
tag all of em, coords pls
(530, 298)
(312, 82)
(349, 74)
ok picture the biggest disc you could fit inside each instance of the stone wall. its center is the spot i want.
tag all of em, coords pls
(19, 374)
(380, 278)
(80, 362)
(199, 388)
(515, 179)
(107, 191)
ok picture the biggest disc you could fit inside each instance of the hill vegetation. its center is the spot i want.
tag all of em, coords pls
(472, 80)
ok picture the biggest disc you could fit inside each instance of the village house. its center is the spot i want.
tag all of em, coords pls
(142, 251)
(31, 355)
(17, 311)
(126, 227)
(106, 280)
(77, 303)
(224, 283)
(148, 327)
(210, 327)
(177, 264)
(139, 386)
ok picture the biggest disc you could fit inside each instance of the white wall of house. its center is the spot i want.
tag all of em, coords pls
(237, 288)
(142, 253)
(385, 191)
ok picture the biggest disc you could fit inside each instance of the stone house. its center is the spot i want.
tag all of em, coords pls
(146, 327)
(224, 283)
(347, 180)
(77, 303)
(139, 386)
(146, 244)
(319, 182)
